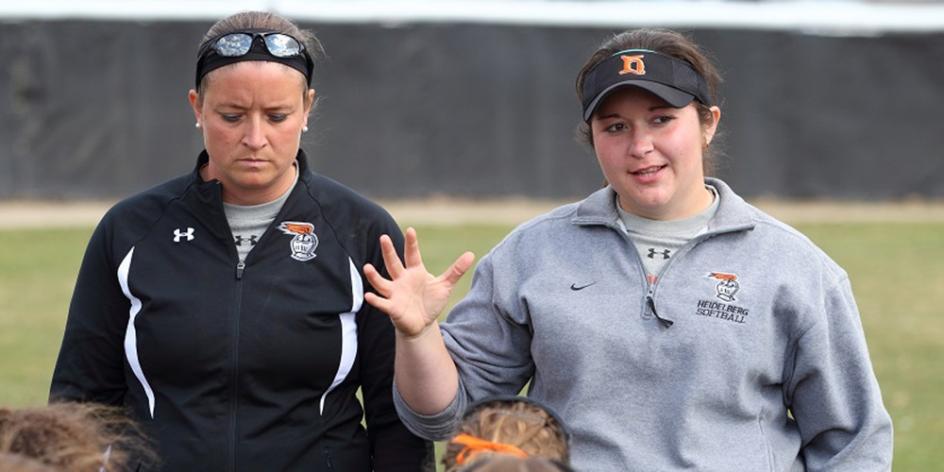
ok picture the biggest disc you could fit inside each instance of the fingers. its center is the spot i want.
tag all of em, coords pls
(458, 268)
(390, 257)
(382, 285)
(378, 302)
(411, 250)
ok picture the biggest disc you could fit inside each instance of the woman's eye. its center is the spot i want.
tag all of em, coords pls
(615, 127)
(230, 117)
(277, 117)
(663, 119)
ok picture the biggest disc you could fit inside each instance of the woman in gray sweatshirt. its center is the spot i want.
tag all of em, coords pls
(672, 325)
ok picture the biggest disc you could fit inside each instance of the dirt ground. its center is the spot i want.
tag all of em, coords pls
(47, 214)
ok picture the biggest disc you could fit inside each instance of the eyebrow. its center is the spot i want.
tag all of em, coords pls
(241, 107)
(654, 108)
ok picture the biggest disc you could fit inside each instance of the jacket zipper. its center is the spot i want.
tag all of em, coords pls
(650, 296)
(652, 306)
(237, 313)
(650, 302)
(234, 387)
(327, 458)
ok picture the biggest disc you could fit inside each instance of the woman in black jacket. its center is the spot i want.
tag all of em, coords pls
(224, 309)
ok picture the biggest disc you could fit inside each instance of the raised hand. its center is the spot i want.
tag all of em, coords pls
(412, 297)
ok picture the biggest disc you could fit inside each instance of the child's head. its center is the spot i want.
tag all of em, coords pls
(19, 463)
(70, 436)
(504, 463)
(513, 426)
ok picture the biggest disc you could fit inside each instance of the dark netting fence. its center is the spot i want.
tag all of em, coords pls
(98, 109)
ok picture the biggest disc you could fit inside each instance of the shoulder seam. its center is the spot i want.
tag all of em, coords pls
(536, 221)
(165, 205)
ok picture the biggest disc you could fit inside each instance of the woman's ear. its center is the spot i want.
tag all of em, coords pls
(309, 104)
(310, 97)
(196, 105)
(708, 131)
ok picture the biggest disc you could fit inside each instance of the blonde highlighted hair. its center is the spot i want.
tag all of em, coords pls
(515, 423)
(71, 437)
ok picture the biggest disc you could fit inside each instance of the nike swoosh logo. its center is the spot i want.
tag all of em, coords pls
(575, 287)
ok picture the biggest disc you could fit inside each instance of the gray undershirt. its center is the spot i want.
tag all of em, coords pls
(657, 241)
(248, 222)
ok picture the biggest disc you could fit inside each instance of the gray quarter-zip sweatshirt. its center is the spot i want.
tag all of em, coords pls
(747, 354)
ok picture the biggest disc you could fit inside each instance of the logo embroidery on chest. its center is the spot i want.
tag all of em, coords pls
(664, 253)
(727, 286)
(725, 289)
(252, 239)
(304, 243)
(185, 236)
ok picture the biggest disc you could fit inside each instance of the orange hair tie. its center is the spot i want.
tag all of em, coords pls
(474, 446)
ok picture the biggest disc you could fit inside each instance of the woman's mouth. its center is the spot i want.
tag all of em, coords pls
(251, 162)
(647, 171)
(648, 175)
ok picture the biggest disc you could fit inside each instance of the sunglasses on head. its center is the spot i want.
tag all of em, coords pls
(239, 44)
(253, 45)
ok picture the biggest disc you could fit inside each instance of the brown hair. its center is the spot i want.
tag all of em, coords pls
(20, 463)
(72, 436)
(516, 422)
(499, 463)
(243, 21)
(667, 42)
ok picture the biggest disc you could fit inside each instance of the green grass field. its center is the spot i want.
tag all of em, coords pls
(897, 272)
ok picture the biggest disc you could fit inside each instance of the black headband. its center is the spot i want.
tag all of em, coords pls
(671, 79)
(208, 60)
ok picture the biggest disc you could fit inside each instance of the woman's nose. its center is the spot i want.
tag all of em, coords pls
(640, 143)
(255, 138)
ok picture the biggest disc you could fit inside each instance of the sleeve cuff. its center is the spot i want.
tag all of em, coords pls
(436, 427)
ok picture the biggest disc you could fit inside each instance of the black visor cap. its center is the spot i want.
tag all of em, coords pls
(667, 77)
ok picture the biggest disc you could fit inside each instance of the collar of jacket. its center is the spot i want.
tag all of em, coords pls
(210, 190)
(204, 158)
(208, 195)
(734, 214)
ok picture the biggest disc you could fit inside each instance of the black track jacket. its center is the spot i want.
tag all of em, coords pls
(240, 367)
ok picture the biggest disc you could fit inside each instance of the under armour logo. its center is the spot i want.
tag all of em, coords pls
(252, 239)
(653, 252)
(180, 234)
